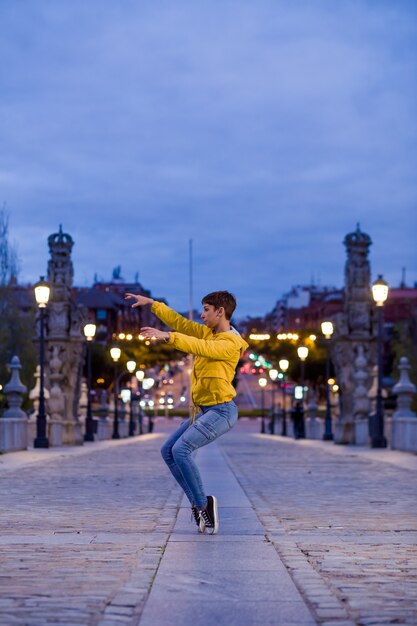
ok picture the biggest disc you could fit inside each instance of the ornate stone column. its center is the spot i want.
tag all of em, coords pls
(64, 341)
(355, 333)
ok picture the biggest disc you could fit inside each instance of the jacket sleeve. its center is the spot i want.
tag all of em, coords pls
(176, 321)
(221, 350)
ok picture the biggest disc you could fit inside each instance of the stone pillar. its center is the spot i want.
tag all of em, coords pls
(123, 422)
(14, 422)
(104, 426)
(64, 341)
(404, 420)
(314, 425)
(353, 328)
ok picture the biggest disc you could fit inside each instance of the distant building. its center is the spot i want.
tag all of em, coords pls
(105, 305)
(112, 314)
(305, 306)
(401, 305)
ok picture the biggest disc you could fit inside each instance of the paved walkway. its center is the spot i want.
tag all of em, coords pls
(310, 533)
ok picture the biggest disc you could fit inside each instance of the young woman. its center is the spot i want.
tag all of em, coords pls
(217, 347)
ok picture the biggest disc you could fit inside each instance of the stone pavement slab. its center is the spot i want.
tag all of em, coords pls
(310, 533)
(82, 531)
(234, 577)
(343, 520)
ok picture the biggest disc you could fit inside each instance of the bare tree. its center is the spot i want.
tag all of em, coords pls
(17, 330)
(9, 260)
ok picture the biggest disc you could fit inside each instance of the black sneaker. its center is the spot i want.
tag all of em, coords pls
(209, 517)
(196, 514)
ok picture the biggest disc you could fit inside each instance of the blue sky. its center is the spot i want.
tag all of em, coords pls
(263, 131)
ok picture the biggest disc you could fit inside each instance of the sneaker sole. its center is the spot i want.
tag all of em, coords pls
(216, 517)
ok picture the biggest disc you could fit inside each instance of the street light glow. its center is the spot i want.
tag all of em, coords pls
(302, 352)
(131, 366)
(115, 353)
(262, 382)
(259, 336)
(273, 374)
(283, 364)
(140, 375)
(380, 291)
(42, 293)
(327, 329)
(89, 331)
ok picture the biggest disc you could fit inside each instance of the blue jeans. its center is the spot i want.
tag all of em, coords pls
(211, 423)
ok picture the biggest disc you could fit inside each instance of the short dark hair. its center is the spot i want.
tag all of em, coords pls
(221, 298)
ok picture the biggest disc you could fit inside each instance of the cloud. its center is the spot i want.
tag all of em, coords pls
(263, 131)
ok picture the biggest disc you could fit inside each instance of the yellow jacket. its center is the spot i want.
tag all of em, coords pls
(216, 356)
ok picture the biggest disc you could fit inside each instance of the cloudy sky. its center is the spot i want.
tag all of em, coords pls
(262, 130)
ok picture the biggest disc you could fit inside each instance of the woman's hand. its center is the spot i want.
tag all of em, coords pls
(139, 300)
(154, 334)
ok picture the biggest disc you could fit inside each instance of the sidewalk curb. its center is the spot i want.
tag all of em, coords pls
(403, 460)
(25, 458)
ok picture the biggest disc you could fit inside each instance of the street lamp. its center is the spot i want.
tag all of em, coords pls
(115, 355)
(131, 366)
(147, 384)
(379, 294)
(262, 383)
(302, 352)
(42, 292)
(140, 375)
(89, 334)
(273, 375)
(283, 366)
(327, 330)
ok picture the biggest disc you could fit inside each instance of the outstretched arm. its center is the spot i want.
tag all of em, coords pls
(222, 350)
(169, 316)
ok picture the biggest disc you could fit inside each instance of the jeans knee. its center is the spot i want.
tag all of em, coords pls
(178, 451)
(166, 452)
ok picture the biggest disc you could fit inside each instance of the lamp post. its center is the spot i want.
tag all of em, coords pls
(89, 334)
(140, 375)
(131, 366)
(262, 383)
(147, 384)
(379, 294)
(302, 352)
(115, 355)
(42, 292)
(327, 330)
(283, 366)
(273, 375)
